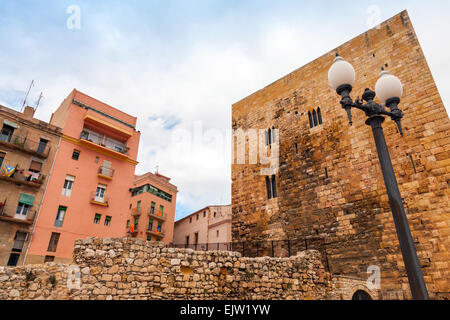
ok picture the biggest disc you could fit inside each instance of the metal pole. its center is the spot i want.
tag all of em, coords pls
(412, 265)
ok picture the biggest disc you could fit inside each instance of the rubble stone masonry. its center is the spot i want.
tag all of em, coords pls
(330, 183)
(118, 269)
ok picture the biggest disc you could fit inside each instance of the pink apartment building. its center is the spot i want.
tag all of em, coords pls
(88, 191)
(152, 208)
(208, 228)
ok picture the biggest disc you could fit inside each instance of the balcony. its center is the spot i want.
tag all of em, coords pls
(99, 200)
(20, 179)
(16, 142)
(136, 212)
(8, 213)
(105, 173)
(104, 142)
(157, 215)
(155, 231)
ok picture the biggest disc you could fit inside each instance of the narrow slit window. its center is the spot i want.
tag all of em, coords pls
(274, 186)
(269, 188)
(315, 118)
(319, 115)
(311, 124)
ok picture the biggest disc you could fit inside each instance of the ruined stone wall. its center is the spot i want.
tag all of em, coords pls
(330, 183)
(138, 269)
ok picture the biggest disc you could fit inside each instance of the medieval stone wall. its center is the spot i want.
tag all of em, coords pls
(113, 269)
(329, 181)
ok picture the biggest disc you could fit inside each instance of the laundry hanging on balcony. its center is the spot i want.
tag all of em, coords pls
(7, 171)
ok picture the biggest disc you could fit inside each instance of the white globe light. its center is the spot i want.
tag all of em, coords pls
(340, 73)
(388, 87)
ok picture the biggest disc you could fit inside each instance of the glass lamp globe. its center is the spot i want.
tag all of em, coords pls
(388, 87)
(341, 73)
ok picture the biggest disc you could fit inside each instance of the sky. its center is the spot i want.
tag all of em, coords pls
(179, 65)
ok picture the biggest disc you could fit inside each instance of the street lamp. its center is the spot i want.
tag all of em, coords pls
(389, 89)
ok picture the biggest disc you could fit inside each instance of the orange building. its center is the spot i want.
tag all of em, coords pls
(88, 191)
(152, 208)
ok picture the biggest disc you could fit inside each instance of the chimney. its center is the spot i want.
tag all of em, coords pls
(28, 112)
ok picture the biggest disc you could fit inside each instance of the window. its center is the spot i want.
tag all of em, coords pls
(274, 187)
(149, 238)
(49, 259)
(269, 188)
(152, 207)
(190, 220)
(13, 259)
(138, 206)
(161, 209)
(60, 216)
(2, 157)
(42, 145)
(217, 233)
(19, 241)
(187, 240)
(97, 218)
(53, 242)
(107, 221)
(153, 190)
(128, 224)
(136, 222)
(159, 227)
(319, 115)
(100, 193)
(35, 167)
(196, 238)
(97, 159)
(315, 118)
(150, 224)
(197, 216)
(204, 214)
(76, 154)
(270, 136)
(68, 186)
(7, 132)
(215, 214)
(22, 211)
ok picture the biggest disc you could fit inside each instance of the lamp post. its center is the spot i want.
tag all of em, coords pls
(389, 89)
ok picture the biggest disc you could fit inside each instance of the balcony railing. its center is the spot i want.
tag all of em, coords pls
(159, 232)
(24, 144)
(158, 215)
(30, 181)
(102, 201)
(136, 211)
(104, 141)
(106, 172)
(8, 213)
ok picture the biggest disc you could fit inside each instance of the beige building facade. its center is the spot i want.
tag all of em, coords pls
(27, 152)
(208, 228)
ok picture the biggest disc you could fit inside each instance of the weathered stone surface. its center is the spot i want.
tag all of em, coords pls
(329, 183)
(250, 278)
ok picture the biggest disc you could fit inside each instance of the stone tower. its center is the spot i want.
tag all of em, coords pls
(329, 184)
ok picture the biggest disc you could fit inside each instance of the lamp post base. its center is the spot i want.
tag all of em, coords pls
(412, 265)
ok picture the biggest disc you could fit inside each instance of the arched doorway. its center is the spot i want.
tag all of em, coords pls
(361, 295)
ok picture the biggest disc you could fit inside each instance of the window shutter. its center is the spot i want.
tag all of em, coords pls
(26, 199)
(36, 166)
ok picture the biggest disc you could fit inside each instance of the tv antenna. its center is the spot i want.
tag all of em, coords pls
(156, 169)
(38, 101)
(25, 100)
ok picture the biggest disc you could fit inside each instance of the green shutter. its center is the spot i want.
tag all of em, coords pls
(26, 199)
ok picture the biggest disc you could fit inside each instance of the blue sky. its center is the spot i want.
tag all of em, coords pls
(180, 65)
